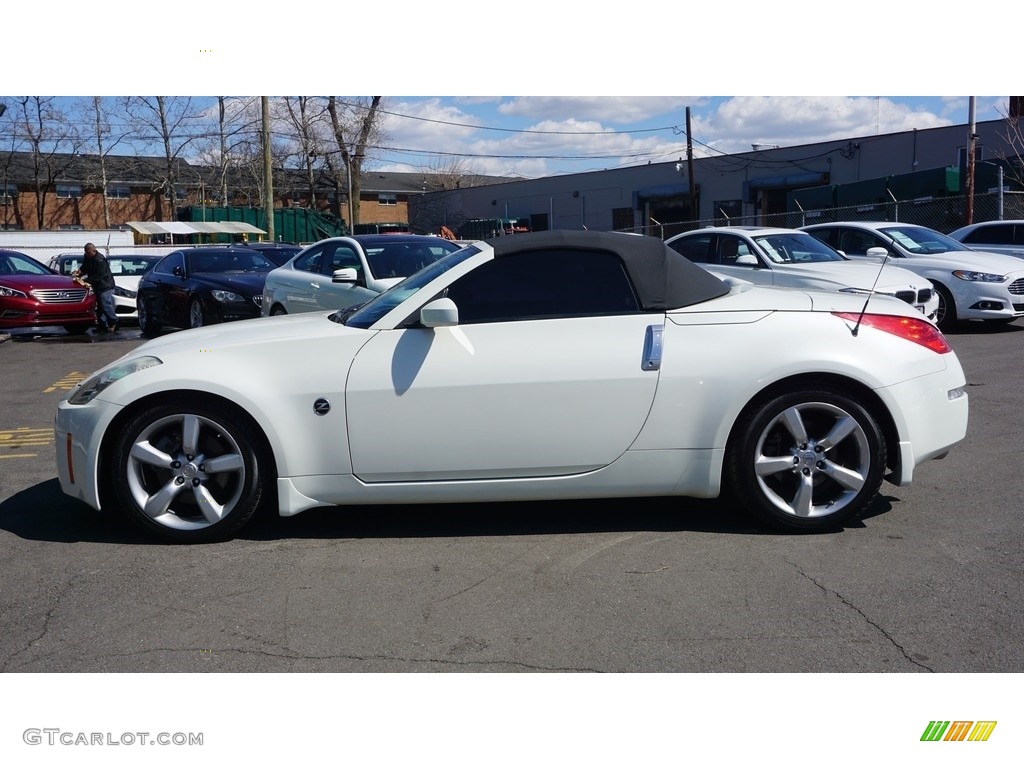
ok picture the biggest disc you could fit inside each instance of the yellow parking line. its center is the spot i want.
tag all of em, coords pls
(68, 382)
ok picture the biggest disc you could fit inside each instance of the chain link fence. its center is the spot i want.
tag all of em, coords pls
(941, 213)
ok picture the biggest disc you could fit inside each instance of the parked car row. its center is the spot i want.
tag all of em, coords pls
(944, 279)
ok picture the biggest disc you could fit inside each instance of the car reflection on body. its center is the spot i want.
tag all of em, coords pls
(549, 365)
(32, 295)
(194, 287)
(341, 271)
(127, 269)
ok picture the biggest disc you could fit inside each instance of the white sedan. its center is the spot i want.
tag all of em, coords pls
(789, 258)
(342, 271)
(971, 285)
(549, 365)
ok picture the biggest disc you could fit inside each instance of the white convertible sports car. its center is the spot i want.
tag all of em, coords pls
(548, 365)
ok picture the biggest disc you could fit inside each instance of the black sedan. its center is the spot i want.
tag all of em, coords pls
(194, 287)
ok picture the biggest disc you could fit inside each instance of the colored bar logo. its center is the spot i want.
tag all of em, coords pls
(958, 730)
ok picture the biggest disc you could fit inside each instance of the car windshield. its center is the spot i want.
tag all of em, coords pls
(796, 248)
(403, 258)
(367, 314)
(229, 261)
(923, 241)
(19, 264)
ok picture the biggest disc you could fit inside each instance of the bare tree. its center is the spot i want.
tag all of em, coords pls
(355, 125)
(173, 123)
(99, 114)
(306, 119)
(51, 140)
(445, 177)
(1013, 134)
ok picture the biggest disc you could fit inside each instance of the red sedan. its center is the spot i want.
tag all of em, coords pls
(32, 295)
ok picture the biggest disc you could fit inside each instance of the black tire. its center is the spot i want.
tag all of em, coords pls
(278, 310)
(806, 461)
(945, 315)
(161, 472)
(196, 314)
(78, 330)
(147, 324)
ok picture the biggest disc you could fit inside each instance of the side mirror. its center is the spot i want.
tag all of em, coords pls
(440, 313)
(346, 275)
(877, 253)
(747, 260)
(179, 271)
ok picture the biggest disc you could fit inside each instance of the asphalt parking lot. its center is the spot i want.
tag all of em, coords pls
(930, 581)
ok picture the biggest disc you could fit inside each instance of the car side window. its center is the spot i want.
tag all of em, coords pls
(729, 249)
(310, 260)
(995, 234)
(167, 266)
(853, 242)
(544, 284)
(339, 257)
(697, 248)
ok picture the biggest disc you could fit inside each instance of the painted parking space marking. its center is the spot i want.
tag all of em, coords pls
(20, 438)
(69, 382)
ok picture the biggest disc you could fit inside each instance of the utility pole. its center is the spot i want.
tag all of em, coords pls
(268, 172)
(971, 139)
(694, 214)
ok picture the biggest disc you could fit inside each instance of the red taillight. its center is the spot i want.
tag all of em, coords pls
(917, 330)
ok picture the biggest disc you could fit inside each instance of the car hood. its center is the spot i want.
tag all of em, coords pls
(976, 261)
(243, 333)
(243, 282)
(45, 282)
(862, 276)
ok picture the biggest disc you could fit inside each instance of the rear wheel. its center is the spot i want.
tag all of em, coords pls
(277, 311)
(189, 472)
(810, 460)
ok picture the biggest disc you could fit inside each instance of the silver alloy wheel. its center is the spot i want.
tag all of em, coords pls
(186, 472)
(812, 460)
(195, 314)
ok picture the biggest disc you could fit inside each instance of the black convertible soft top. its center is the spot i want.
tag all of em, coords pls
(663, 278)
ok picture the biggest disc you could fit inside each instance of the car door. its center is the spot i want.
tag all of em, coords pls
(160, 281)
(544, 375)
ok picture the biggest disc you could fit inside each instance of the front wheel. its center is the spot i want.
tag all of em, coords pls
(196, 314)
(78, 329)
(277, 311)
(945, 315)
(147, 324)
(808, 461)
(189, 473)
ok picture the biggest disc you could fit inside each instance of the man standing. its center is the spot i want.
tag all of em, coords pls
(96, 272)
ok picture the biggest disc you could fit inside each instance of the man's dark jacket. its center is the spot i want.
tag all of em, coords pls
(96, 272)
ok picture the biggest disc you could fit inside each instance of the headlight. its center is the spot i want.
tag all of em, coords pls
(123, 292)
(226, 296)
(11, 293)
(978, 277)
(92, 387)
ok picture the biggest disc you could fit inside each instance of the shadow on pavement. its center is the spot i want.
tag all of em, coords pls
(44, 513)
